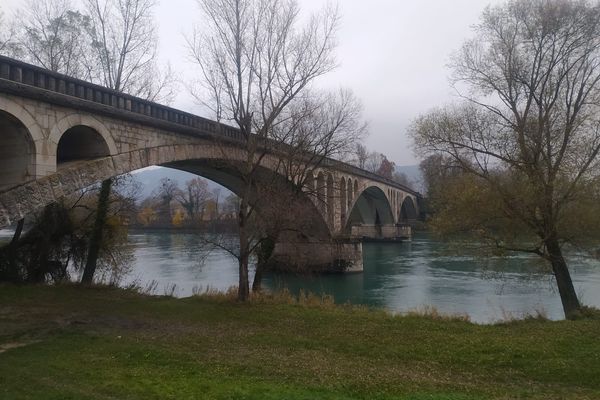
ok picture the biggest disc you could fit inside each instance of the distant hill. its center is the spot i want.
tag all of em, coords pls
(414, 174)
(150, 179)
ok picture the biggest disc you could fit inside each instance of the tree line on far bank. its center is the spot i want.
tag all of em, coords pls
(194, 206)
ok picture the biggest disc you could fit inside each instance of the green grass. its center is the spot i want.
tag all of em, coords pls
(102, 343)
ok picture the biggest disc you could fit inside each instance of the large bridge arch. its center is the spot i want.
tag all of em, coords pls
(276, 198)
(201, 159)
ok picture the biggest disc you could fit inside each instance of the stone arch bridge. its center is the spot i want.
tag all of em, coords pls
(59, 135)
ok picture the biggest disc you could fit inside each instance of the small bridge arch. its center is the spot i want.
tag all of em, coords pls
(408, 211)
(17, 151)
(20, 141)
(77, 137)
(371, 208)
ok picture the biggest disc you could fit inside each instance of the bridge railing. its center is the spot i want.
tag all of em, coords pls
(41, 78)
(20, 72)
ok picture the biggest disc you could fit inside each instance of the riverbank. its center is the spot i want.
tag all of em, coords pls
(99, 343)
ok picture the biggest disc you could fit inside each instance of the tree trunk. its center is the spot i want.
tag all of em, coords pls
(96, 238)
(18, 232)
(11, 252)
(568, 297)
(244, 286)
(257, 282)
(265, 250)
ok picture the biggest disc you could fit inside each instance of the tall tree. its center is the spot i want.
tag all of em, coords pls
(52, 35)
(165, 193)
(216, 196)
(386, 168)
(373, 161)
(7, 36)
(97, 233)
(193, 198)
(316, 126)
(255, 60)
(124, 58)
(527, 136)
(362, 154)
(124, 43)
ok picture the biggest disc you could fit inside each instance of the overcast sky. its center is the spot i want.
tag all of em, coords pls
(392, 54)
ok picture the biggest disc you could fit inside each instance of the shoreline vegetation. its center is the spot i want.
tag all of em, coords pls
(72, 342)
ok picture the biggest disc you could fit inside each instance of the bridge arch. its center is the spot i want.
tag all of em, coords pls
(89, 123)
(19, 112)
(408, 210)
(17, 151)
(371, 207)
(80, 143)
(201, 159)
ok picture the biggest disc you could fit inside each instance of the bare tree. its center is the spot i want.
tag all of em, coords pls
(7, 36)
(231, 206)
(124, 43)
(166, 193)
(52, 34)
(216, 196)
(317, 126)
(193, 198)
(386, 168)
(124, 58)
(373, 161)
(528, 135)
(361, 155)
(255, 60)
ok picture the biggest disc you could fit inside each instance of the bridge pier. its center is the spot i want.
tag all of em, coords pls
(398, 232)
(334, 256)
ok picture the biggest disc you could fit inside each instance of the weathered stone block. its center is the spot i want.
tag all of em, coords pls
(317, 257)
(122, 163)
(4, 216)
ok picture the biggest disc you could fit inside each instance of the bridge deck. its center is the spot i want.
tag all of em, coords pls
(22, 79)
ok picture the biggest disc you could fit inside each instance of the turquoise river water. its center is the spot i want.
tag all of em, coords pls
(397, 276)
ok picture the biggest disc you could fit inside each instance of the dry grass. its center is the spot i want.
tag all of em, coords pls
(433, 313)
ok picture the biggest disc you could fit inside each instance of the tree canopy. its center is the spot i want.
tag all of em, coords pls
(526, 136)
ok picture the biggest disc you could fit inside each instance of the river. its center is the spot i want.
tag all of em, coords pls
(397, 276)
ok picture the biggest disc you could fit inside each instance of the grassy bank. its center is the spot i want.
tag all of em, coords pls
(101, 343)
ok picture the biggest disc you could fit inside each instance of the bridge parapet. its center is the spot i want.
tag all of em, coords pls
(31, 75)
(14, 74)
